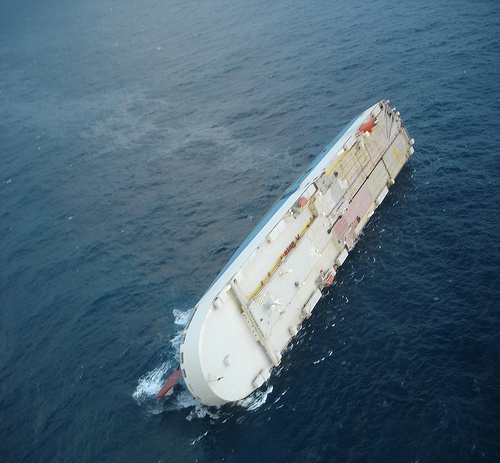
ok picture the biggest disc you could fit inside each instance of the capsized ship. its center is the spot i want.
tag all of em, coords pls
(256, 305)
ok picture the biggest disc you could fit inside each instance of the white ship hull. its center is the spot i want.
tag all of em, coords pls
(248, 316)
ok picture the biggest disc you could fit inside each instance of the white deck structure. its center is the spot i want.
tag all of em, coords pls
(247, 317)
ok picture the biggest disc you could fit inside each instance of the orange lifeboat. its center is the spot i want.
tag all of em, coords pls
(302, 202)
(368, 126)
(329, 280)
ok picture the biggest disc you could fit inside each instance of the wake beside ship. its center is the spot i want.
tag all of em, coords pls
(250, 313)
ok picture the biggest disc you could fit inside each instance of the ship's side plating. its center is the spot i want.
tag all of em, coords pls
(250, 313)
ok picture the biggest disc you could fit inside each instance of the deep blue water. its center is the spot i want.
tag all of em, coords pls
(140, 143)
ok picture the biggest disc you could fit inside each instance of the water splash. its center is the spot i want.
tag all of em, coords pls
(255, 400)
(182, 317)
(151, 382)
(197, 439)
(201, 411)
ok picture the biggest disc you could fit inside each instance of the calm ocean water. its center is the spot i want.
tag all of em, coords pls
(140, 143)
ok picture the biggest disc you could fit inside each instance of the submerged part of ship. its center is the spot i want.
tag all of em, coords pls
(256, 305)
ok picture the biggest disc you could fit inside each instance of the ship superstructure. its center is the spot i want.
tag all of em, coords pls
(242, 324)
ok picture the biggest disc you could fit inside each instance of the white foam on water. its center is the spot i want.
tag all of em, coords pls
(194, 441)
(176, 342)
(181, 399)
(182, 317)
(150, 383)
(255, 400)
(202, 411)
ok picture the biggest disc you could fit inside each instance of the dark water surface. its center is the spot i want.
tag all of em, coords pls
(140, 143)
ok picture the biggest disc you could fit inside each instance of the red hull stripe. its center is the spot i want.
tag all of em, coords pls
(171, 382)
